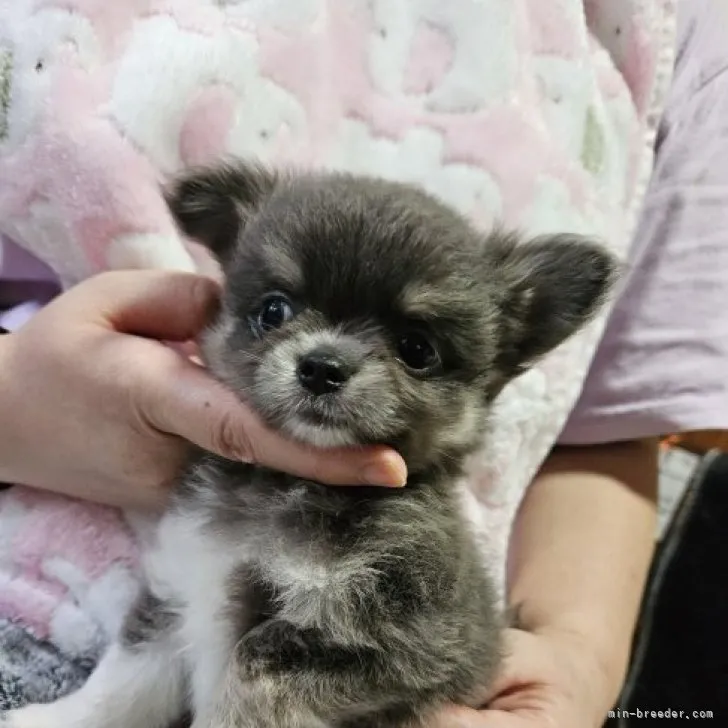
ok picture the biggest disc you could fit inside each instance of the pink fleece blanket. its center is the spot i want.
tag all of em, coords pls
(540, 115)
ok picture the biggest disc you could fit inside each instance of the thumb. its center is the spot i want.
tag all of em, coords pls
(191, 404)
(151, 303)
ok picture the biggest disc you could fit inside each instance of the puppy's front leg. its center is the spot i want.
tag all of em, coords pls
(284, 676)
(139, 682)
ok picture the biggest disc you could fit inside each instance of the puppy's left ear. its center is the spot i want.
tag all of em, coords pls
(212, 205)
(547, 290)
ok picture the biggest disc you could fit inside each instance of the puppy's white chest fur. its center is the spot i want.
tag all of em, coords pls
(189, 563)
(196, 568)
(192, 569)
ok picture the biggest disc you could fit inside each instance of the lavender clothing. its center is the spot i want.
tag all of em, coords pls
(26, 284)
(662, 364)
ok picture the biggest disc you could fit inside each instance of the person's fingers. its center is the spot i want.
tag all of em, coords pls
(520, 661)
(156, 304)
(191, 404)
(189, 349)
(370, 466)
(501, 719)
(457, 717)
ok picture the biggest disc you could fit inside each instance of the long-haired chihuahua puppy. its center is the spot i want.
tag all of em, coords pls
(355, 311)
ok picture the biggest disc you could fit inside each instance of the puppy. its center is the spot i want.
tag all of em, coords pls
(355, 311)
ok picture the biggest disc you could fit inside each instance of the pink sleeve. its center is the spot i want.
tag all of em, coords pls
(662, 365)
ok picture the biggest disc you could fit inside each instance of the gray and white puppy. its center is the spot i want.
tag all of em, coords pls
(355, 311)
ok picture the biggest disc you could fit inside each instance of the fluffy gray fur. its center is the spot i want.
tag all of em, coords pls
(283, 603)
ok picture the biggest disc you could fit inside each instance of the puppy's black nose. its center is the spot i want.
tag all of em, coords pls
(323, 372)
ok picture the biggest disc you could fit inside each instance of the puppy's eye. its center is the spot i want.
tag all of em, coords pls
(417, 352)
(274, 312)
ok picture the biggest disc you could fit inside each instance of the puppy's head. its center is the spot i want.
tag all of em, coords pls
(360, 311)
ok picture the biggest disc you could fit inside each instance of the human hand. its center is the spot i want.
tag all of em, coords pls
(550, 679)
(93, 405)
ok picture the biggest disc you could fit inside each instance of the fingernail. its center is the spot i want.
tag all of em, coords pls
(391, 475)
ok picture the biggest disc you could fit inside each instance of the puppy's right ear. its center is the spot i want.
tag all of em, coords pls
(212, 205)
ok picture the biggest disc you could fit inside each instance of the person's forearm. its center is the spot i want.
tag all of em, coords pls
(582, 545)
